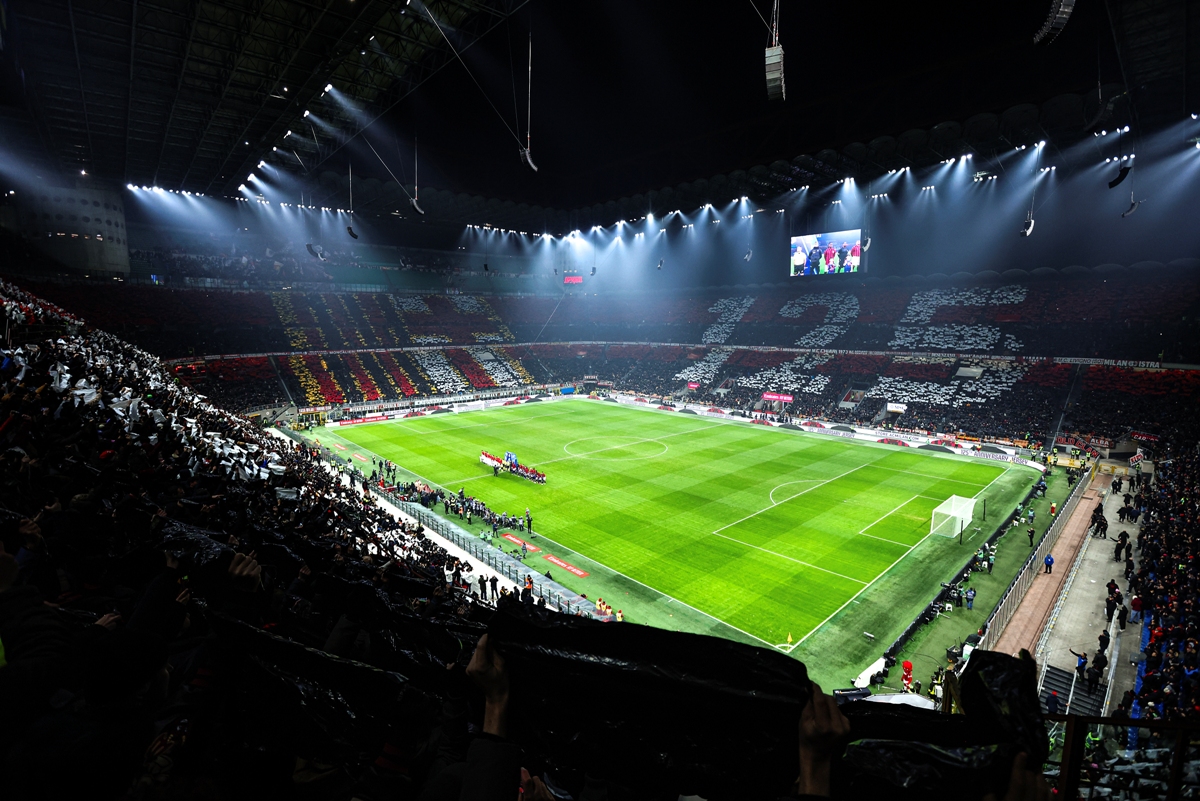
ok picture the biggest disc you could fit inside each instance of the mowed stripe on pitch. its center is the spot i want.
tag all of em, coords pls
(652, 519)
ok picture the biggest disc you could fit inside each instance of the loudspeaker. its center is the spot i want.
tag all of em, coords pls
(774, 63)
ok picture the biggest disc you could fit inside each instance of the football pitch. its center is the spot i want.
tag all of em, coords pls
(776, 537)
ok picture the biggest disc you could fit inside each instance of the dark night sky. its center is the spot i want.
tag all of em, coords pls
(632, 95)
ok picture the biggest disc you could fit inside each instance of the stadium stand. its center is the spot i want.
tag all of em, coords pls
(1085, 317)
(270, 555)
(234, 384)
(1166, 587)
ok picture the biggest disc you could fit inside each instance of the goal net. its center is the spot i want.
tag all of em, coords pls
(952, 516)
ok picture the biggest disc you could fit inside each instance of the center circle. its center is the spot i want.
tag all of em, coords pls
(615, 449)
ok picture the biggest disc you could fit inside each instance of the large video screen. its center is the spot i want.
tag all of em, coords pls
(827, 254)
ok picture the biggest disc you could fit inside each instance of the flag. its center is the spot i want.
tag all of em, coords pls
(789, 638)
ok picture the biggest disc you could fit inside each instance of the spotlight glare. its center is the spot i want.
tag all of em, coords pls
(329, 86)
(1125, 129)
(306, 112)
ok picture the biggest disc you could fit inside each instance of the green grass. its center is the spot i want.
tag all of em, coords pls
(695, 524)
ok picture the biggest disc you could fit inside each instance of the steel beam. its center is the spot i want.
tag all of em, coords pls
(82, 95)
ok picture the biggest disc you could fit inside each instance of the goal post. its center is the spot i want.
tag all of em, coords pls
(952, 516)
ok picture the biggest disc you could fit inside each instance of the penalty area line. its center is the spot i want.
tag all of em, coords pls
(790, 558)
(863, 531)
(820, 484)
(853, 598)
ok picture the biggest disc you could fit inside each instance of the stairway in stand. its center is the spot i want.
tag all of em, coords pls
(1059, 680)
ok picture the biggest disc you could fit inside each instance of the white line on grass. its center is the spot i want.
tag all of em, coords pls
(863, 532)
(771, 495)
(400, 422)
(601, 450)
(885, 572)
(927, 475)
(624, 445)
(854, 597)
(660, 592)
(993, 481)
(789, 558)
(820, 483)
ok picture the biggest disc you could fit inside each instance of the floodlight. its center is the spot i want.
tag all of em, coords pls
(329, 86)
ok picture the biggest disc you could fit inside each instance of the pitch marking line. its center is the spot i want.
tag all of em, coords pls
(660, 593)
(789, 558)
(401, 422)
(624, 445)
(636, 441)
(927, 475)
(853, 598)
(771, 496)
(993, 481)
(820, 483)
(601, 450)
(863, 532)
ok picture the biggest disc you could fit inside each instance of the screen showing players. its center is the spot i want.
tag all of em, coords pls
(828, 254)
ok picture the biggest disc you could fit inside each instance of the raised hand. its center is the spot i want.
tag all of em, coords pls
(823, 732)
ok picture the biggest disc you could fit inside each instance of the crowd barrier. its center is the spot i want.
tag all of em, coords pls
(557, 596)
(1004, 611)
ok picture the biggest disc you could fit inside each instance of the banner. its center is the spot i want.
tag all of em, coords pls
(1073, 442)
(1136, 458)
(776, 396)
(693, 385)
(898, 408)
(1143, 436)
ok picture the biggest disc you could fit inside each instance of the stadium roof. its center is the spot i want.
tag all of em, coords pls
(634, 104)
(191, 93)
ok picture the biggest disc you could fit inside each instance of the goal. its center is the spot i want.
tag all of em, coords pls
(952, 516)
